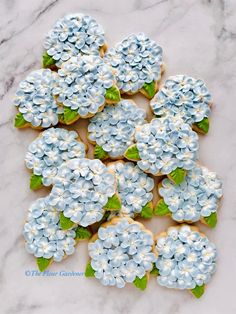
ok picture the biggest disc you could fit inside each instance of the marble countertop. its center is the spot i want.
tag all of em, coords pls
(199, 39)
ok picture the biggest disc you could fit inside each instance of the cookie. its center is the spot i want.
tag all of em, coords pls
(165, 146)
(186, 259)
(137, 64)
(82, 191)
(121, 252)
(196, 198)
(73, 35)
(85, 84)
(112, 130)
(35, 101)
(49, 151)
(45, 239)
(187, 97)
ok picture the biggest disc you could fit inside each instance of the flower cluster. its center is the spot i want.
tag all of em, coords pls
(122, 252)
(43, 235)
(73, 35)
(196, 197)
(53, 147)
(183, 96)
(34, 98)
(136, 60)
(165, 144)
(113, 129)
(81, 190)
(134, 187)
(82, 84)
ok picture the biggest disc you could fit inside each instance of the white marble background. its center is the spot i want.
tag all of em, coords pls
(199, 39)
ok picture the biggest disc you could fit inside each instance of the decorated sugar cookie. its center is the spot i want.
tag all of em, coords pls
(45, 239)
(196, 198)
(85, 84)
(112, 130)
(73, 35)
(135, 189)
(48, 152)
(121, 252)
(83, 190)
(137, 64)
(35, 101)
(165, 146)
(186, 259)
(187, 97)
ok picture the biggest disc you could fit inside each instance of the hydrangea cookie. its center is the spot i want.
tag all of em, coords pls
(186, 259)
(121, 252)
(187, 97)
(49, 151)
(45, 239)
(135, 189)
(83, 190)
(85, 84)
(73, 35)
(165, 146)
(112, 130)
(137, 64)
(196, 198)
(35, 101)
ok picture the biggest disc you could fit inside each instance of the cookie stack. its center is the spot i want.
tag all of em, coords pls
(99, 199)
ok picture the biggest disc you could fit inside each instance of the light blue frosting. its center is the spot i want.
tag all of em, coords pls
(73, 35)
(48, 152)
(113, 129)
(34, 98)
(136, 60)
(165, 144)
(82, 84)
(134, 187)
(43, 235)
(122, 252)
(183, 96)
(186, 258)
(198, 196)
(81, 190)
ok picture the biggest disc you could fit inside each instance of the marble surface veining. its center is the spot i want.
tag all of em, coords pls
(199, 39)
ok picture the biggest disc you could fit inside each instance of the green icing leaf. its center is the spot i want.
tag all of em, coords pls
(99, 153)
(65, 222)
(198, 291)
(36, 182)
(161, 208)
(82, 233)
(48, 60)
(211, 221)
(43, 263)
(69, 115)
(132, 153)
(150, 89)
(19, 120)
(147, 210)
(141, 283)
(89, 271)
(154, 270)
(114, 203)
(113, 94)
(203, 125)
(177, 175)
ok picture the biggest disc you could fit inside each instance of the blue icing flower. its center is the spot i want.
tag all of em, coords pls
(82, 84)
(198, 196)
(34, 98)
(50, 150)
(73, 35)
(134, 187)
(43, 235)
(183, 96)
(136, 60)
(113, 129)
(165, 144)
(81, 190)
(122, 252)
(186, 258)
